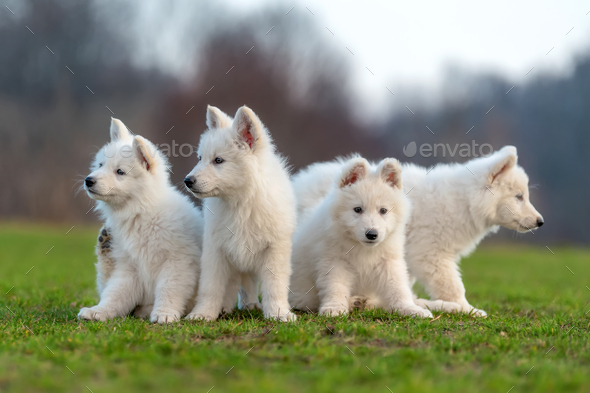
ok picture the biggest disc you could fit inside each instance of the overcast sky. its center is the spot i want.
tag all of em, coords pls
(403, 46)
(411, 43)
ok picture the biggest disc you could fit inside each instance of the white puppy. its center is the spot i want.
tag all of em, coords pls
(455, 207)
(350, 243)
(154, 246)
(249, 216)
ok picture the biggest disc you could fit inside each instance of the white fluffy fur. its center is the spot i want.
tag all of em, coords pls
(454, 207)
(156, 232)
(249, 217)
(334, 258)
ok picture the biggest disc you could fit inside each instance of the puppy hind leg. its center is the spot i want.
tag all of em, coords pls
(231, 294)
(358, 303)
(119, 297)
(143, 311)
(105, 264)
(249, 292)
(192, 301)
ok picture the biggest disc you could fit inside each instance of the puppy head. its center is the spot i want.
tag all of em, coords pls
(370, 204)
(227, 153)
(506, 192)
(126, 168)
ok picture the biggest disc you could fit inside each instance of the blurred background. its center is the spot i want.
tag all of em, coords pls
(327, 78)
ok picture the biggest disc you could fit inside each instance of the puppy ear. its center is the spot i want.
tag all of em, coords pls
(502, 162)
(354, 170)
(145, 153)
(248, 126)
(390, 171)
(217, 118)
(118, 130)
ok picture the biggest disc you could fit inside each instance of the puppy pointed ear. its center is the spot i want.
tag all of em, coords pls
(217, 118)
(354, 170)
(118, 130)
(145, 153)
(390, 170)
(502, 162)
(248, 126)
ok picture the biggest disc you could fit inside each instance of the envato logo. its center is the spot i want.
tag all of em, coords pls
(165, 149)
(185, 150)
(464, 150)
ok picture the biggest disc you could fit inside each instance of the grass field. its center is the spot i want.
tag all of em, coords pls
(534, 340)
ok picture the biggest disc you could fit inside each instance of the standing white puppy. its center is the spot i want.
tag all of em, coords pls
(149, 260)
(455, 207)
(250, 216)
(350, 243)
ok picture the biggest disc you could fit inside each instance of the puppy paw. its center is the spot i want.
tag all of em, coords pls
(143, 311)
(93, 314)
(163, 317)
(438, 305)
(357, 303)
(254, 306)
(469, 309)
(227, 310)
(287, 317)
(413, 310)
(425, 303)
(476, 312)
(103, 243)
(200, 317)
(333, 310)
(442, 305)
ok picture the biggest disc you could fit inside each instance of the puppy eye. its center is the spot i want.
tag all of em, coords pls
(199, 158)
(383, 210)
(519, 197)
(358, 209)
(120, 172)
(99, 165)
(218, 160)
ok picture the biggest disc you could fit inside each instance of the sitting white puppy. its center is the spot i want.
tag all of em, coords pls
(249, 216)
(350, 242)
(153, 244)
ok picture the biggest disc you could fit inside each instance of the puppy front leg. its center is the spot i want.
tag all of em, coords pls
(334, 282)
(120, 295)
(215, 274)
(442, 281)
(174, 287)
(274, 278)
(393, 285)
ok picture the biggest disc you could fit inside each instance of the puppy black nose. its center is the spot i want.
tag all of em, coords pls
(540, 222)
(189, 181)
(89, 181)
(372, 234)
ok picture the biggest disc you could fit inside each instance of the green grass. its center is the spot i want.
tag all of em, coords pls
(535, 304)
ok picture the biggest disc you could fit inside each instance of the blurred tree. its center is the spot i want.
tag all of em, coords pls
(297, 87)
(545, 119)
